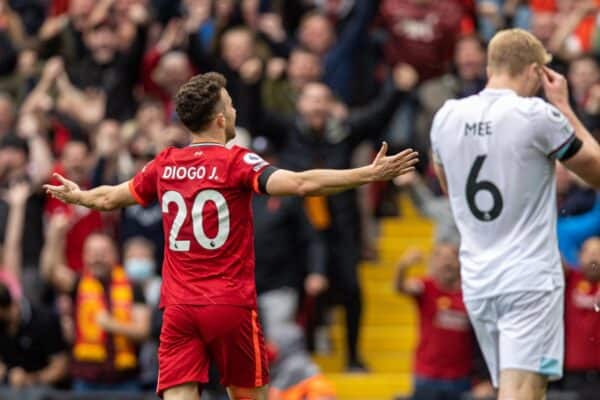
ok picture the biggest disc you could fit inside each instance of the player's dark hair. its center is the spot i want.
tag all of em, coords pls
(198, 100)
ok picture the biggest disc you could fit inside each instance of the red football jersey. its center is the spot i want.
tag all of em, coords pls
(205, 191)
(582, 323)
(445, 349)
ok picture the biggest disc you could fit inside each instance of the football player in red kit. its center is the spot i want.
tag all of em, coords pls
(208, 293)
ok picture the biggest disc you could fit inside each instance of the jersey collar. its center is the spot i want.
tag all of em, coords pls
(497, 92)
(206, 144)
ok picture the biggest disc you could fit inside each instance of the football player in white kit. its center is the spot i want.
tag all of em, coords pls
(495, 154)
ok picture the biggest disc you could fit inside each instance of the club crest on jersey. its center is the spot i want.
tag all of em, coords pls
(255, 160)
(554, 114)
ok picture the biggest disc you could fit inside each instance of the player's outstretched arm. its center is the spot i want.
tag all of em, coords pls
(320, 182)
(102, 198)
(586, 161)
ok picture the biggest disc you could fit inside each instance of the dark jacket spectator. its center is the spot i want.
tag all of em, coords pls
(32, 348)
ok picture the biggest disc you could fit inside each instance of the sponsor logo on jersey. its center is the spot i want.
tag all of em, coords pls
(255, 160)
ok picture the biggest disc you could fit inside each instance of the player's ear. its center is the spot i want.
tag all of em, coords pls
(221, 120)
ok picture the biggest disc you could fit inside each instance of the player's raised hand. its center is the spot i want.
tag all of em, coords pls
(388, 167)
(68, 192)
(555, 87)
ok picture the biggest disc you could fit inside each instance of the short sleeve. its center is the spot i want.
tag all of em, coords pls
(553, 133)
(143, 185)
(250, 167)
(435, 133)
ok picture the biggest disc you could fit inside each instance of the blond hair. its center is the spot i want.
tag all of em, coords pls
(513, 50)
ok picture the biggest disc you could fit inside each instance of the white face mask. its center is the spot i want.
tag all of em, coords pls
(139, 269)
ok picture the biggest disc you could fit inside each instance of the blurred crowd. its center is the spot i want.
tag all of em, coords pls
(86, 90)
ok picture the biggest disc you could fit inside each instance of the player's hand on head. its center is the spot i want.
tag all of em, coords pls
(68, 191)
(555, 87)
(387, 167)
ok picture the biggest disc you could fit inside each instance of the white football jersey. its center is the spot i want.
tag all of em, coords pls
(498, 151)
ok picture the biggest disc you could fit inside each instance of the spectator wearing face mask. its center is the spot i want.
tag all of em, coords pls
(444, 355)
(110, 315)
(582, 324)
(140, 266)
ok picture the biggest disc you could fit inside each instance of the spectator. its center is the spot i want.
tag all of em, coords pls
(574, 197)
(286, 79)
(11, 261)
(22, 160)
(316, 138)
(110, 315)
(444, 355)
(584, 80)
(468, 78)
(32, 348)
(574, 230)
(283, 235)
(33, 352)
(140, 266)
(574, 34)
(337, 52)
(582, 324)
(109, 68)
(239, 62)
(75, 164)
(421, 33)
(165, 68)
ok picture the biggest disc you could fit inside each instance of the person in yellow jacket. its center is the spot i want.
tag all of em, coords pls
(109, 314)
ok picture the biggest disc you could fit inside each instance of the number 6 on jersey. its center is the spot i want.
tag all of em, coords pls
(197, 219)
(474, 186)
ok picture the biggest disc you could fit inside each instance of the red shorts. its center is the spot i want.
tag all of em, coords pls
(193, 336)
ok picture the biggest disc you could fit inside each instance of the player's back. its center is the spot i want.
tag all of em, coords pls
(497, 150)
(205, 193)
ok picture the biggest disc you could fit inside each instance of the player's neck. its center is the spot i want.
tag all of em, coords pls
(506, 82)
(208, 137)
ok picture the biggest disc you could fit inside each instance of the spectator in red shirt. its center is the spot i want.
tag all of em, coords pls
(422, 33)
(444, 356)
(582, 324)
(74, 164)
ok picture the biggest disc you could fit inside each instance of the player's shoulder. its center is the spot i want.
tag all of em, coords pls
(246, 156)
(449, 108)
(535, 107)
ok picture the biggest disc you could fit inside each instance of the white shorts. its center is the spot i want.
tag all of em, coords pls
(522, 330)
